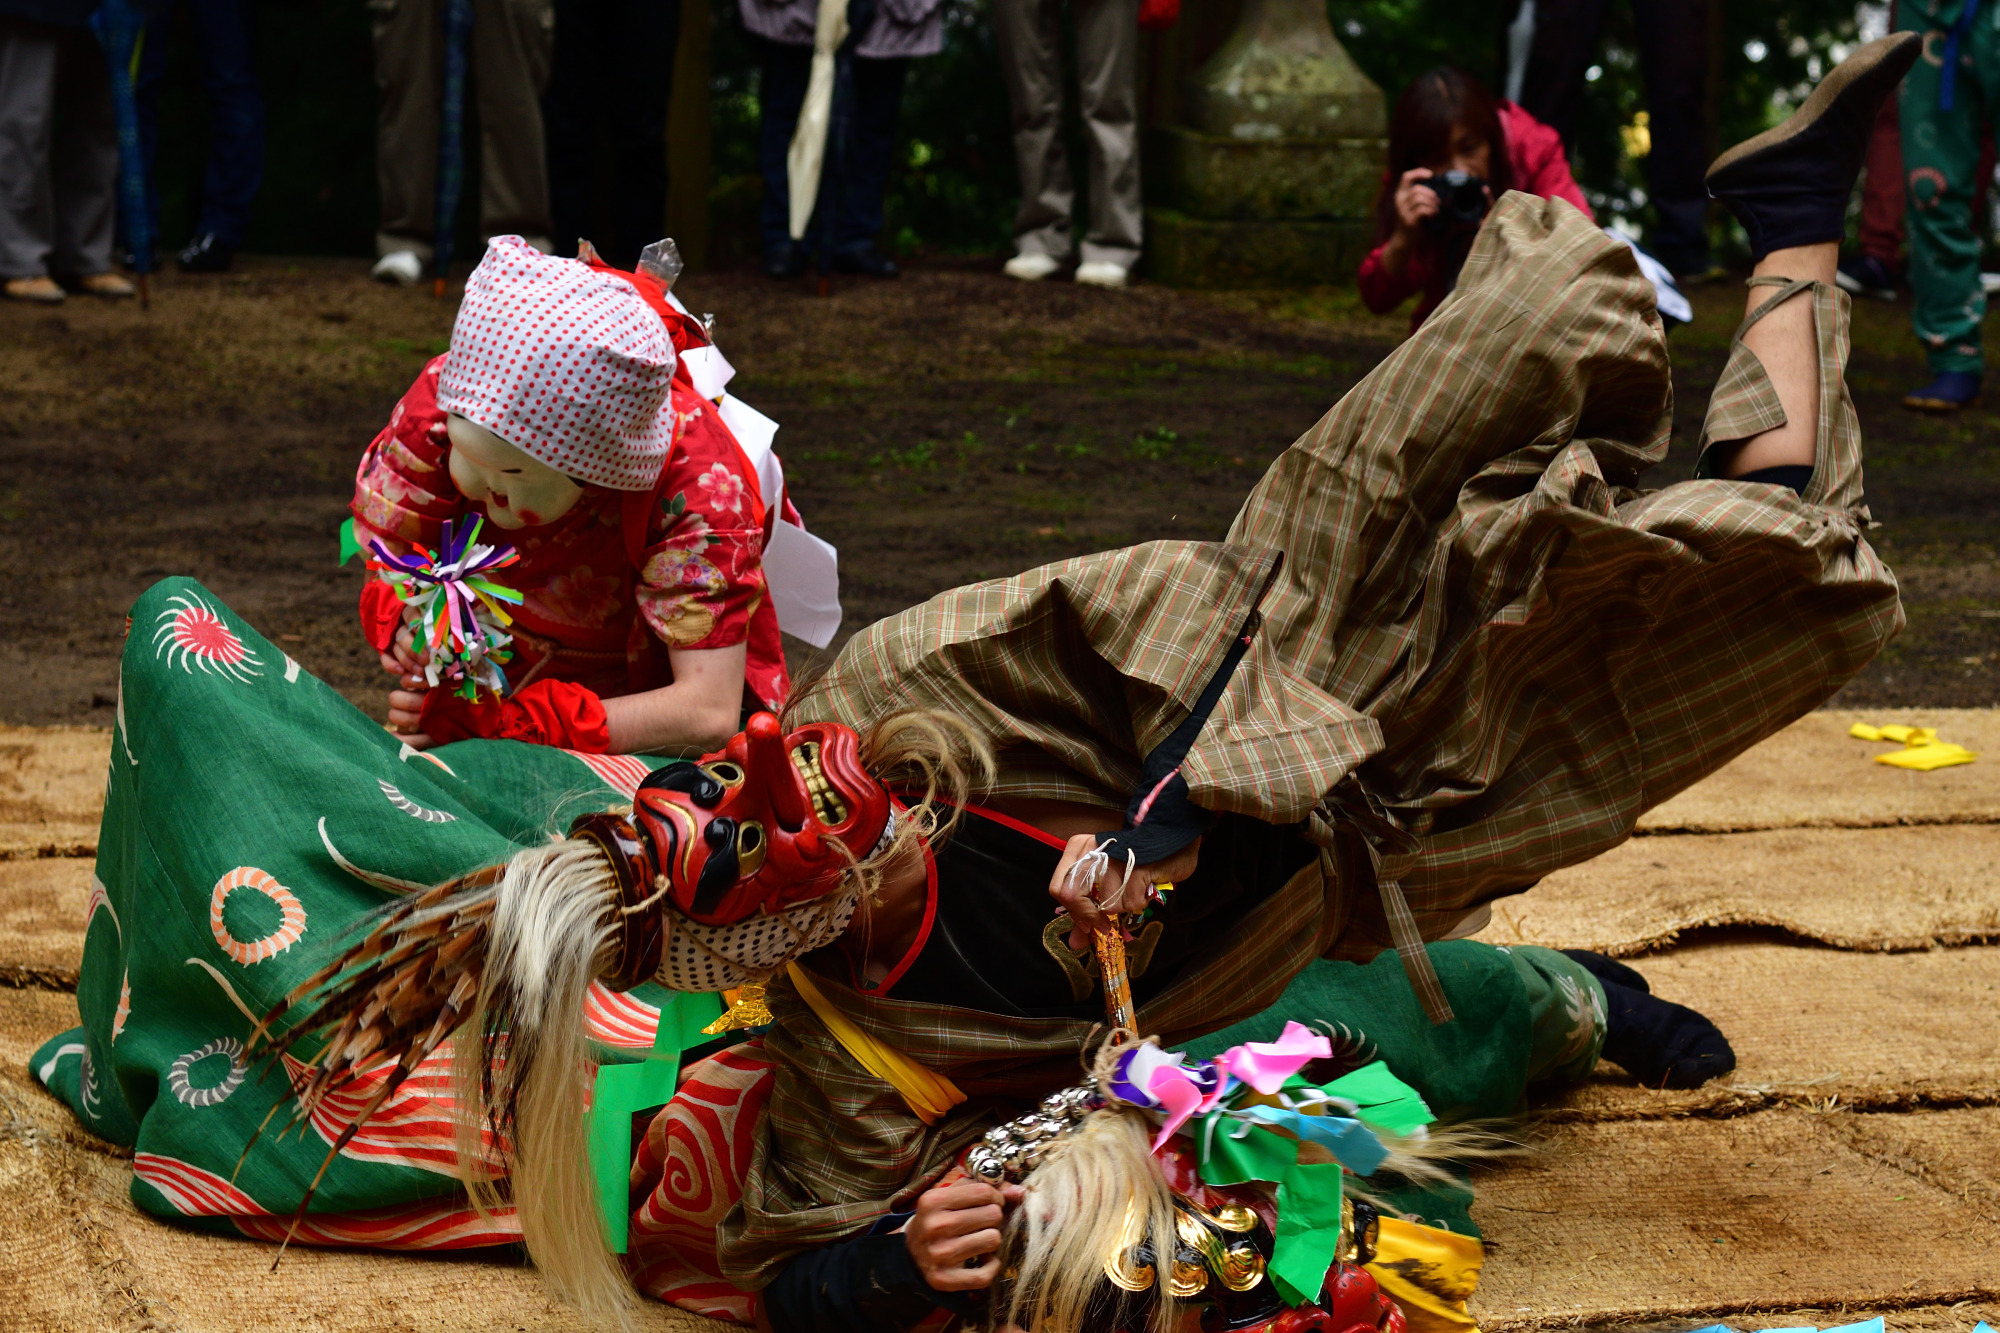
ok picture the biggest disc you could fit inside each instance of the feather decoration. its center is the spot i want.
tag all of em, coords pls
(508, 951)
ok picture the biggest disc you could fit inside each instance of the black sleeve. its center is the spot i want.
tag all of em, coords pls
(865, 1285)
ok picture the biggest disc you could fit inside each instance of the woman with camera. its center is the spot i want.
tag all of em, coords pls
(1453, 149)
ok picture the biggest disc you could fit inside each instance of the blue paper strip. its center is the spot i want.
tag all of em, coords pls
(1352, 1142)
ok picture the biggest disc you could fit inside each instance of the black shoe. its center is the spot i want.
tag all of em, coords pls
(787, 264)
(1606, 969)
(206, 254)
(1789, 186)
(865, 260)
(1660, 1043)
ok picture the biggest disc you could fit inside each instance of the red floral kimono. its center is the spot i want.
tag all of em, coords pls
(625, 575)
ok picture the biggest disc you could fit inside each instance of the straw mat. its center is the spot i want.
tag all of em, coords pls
(1813, 774)
(1850, 1166)
(42, 903)
(1958, 1317)
(81, 1258)
(1818, 1027)
(1886, 888)
(51, 789)
(1656, 1220)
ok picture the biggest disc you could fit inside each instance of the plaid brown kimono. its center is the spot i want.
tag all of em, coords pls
(1484, 655)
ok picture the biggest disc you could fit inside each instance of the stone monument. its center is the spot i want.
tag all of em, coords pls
(1272, 179)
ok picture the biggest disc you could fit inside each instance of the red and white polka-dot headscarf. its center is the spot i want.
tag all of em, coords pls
(566, 364)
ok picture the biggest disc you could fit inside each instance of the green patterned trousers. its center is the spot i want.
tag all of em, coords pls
(1940, 164)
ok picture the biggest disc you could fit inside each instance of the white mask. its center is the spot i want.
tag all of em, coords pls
(517, 490)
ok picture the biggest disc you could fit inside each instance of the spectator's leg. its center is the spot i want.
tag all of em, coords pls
(644, 34)
(158, 16)
(510, 59)
(578, 83)
(226, 33)
(1673, 52)
(409, 56)
(28, 59)
(1882, 191)
(1940, 155)
(871, 150)
(1025, 33)
(1567, 40)
(1107, 69)
(83, 162)
(786, 70)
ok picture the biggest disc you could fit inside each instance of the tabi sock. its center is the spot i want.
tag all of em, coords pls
(1660, 1043)
(1606, 969)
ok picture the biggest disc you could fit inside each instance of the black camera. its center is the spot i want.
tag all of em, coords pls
(1461, 200)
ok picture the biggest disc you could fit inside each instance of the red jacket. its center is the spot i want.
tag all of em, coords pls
(610, 586)
(1539, 166)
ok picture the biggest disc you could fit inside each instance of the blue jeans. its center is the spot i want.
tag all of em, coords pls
(861, 144)
(227, 41)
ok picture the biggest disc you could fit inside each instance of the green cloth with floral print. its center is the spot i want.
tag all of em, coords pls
(247, 806)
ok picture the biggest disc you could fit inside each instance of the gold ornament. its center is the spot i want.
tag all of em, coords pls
(746, 1010)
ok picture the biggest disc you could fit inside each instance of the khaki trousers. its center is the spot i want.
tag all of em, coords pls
(1107, 62)
(58, 152)
(511, 42)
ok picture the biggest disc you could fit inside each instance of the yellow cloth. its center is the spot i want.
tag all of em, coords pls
(1430, 1273)
(929, 1093)
(1922, 751)
(1924, 758)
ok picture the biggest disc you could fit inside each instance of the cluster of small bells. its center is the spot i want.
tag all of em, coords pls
(1228, 1249)
(1010, 1151)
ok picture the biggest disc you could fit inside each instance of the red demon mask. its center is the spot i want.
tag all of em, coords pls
(753, 828)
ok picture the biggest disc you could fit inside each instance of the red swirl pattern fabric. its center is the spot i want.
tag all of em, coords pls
(688, 1174)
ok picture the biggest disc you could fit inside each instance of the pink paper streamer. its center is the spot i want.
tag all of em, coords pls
(1265, 1065)
(1179, 1095)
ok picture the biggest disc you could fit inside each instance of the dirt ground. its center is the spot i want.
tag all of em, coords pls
(950, 426)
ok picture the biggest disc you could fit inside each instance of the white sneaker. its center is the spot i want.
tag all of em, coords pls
(1031, 267)
(399, 266)
(1101, 273)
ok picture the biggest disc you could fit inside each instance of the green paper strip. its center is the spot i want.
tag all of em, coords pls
(1385, 1101)
(1308, 1234)
(1258, 1155)
(349, 548)
(622, 1091)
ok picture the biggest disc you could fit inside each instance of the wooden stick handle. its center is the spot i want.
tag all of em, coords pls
(1117, 980)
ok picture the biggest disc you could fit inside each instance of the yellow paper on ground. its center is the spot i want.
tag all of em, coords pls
(1430, 1273)
(1922, 751)
(1924, 758)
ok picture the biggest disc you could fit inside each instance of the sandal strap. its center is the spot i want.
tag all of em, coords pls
(1790, 287)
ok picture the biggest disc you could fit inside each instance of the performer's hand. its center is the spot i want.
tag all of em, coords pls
(406, 707)
(404, 658)
(1089, 904)
(954, 1238)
